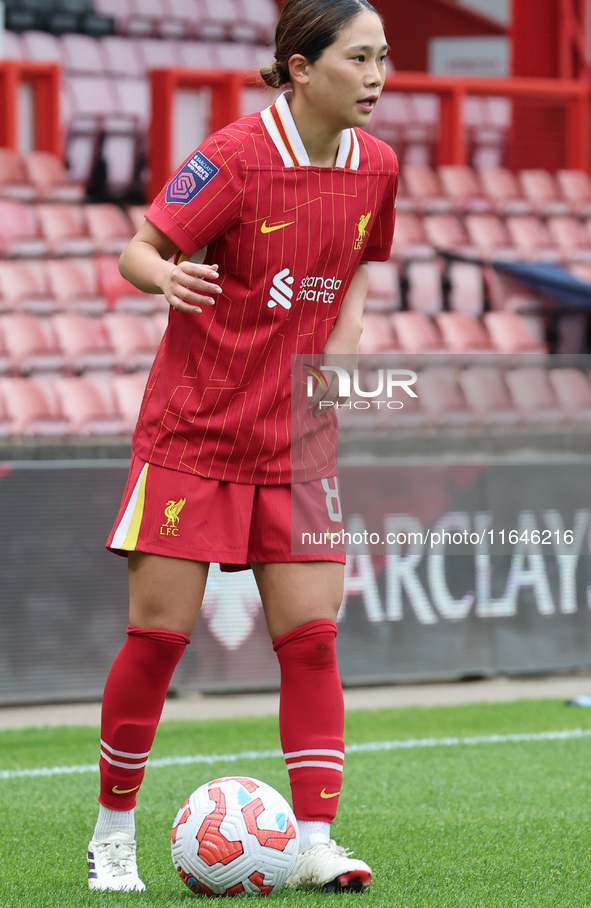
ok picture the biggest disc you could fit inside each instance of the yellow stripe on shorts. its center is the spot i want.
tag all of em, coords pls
(128, 531)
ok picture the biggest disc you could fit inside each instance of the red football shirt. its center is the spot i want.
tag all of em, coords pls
(288, 239)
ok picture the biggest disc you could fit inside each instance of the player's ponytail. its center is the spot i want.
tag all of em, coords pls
(308, 27)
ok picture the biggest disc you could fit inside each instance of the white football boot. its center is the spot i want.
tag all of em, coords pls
(112, 864)
(325, 865)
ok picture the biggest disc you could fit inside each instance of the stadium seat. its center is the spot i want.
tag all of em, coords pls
(64, 229)
(425, 291)
(90, 96)
(50, 179)
(86, 408)
(20, 234)
(128, 391)
(217, 19)
(377, 334)
(570, 236)
(533, 395)
(109, 228)
(137, 215)
(573, 391)
(532, 239)
(157, 54)
(198, 55)
(132, 338)
(441, 397)
(462, 186)
(425, 189)
(511, 333)
(84, 341)
(463, 333)
(446, 231)
(23, 287)
(6, 422)
(31, 409)
(30, 343)
(73, 282)
(119, 9)
(504, 190)
(383, 292)
(155, 17)
(259, 17)
(41, 46)
(541, 190)
(575, 186)
(120, 294)
(488, 396)
(235, 56)
(466, 290)
(422, 130)
(416, 333)
(13, 48)
(82, 55)
(490, 237)
(183, 17)
(487, 121)
(120, 58)
(390, 119)
(14, 182)
(159, 321)
(410, 239)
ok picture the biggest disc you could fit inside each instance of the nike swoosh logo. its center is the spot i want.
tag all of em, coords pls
(265, 229)
(324, 794)
(127, 791)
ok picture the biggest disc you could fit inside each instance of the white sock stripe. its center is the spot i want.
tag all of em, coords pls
(123, 765)
(123, 753)
(315, 753)
(336, 766)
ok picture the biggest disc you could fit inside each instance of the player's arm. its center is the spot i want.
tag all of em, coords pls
(342, 345)
(186, 286)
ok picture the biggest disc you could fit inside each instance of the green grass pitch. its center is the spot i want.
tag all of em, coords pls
(486, 825)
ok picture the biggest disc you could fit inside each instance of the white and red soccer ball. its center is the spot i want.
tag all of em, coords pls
(234, 835)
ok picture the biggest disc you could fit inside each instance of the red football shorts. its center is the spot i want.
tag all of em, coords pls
(166, 512)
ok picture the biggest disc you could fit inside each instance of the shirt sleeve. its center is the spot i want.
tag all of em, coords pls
(379, 245)
(203, 197)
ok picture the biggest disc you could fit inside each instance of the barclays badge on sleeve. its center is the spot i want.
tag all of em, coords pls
(191, 179)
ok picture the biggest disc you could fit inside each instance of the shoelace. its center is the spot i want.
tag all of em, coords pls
(118, 855)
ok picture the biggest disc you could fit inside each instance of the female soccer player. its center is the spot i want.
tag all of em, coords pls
(272, 222)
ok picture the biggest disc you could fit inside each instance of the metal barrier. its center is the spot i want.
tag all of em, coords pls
(30, 106)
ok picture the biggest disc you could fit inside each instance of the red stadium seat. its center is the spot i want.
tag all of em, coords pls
(446, 231)
(132, 99)
(20, 234)
(120, 294)
(488, 396)
(154, 17)
(64, 229)
(533, 395)
(73, 283)
(390, 119)
(136, 214)
(41, 46)
(541, 190)
(425, 291)
(571, 238)
(81, 54)
(466, 293)
(532, 239)
(128, 391)
(31, 409)
(159, 324)
(462, 185)
(425, 189)
(490, 237)
(511, 333)
(504, 190)
(109, 227)
(84, 341)
(90, 96)
(441, 397)
(416, 333)
(377, 334)
(23, 287)
(13, 47)
(410, 239)
(575, 186)
(573, 391)
(256, 21)
(86, 408)
(183, 15)
(30, 343)
(14, 182)
(198, 55)
(463, 333)
(235, 56)
(132, 338)
(157, 54)
(120, 58)
(50, 178)
(217, 19)
(383, 292)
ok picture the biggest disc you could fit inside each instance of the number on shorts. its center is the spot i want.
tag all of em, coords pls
(333, 499)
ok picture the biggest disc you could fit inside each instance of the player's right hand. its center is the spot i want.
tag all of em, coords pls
(189, 286)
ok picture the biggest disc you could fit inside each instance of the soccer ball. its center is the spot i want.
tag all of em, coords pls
(234, 835)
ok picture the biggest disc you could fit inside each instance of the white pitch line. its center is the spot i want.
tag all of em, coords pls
(369, 747)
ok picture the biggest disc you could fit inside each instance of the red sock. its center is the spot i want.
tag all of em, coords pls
(132, 704)
(312, 718)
